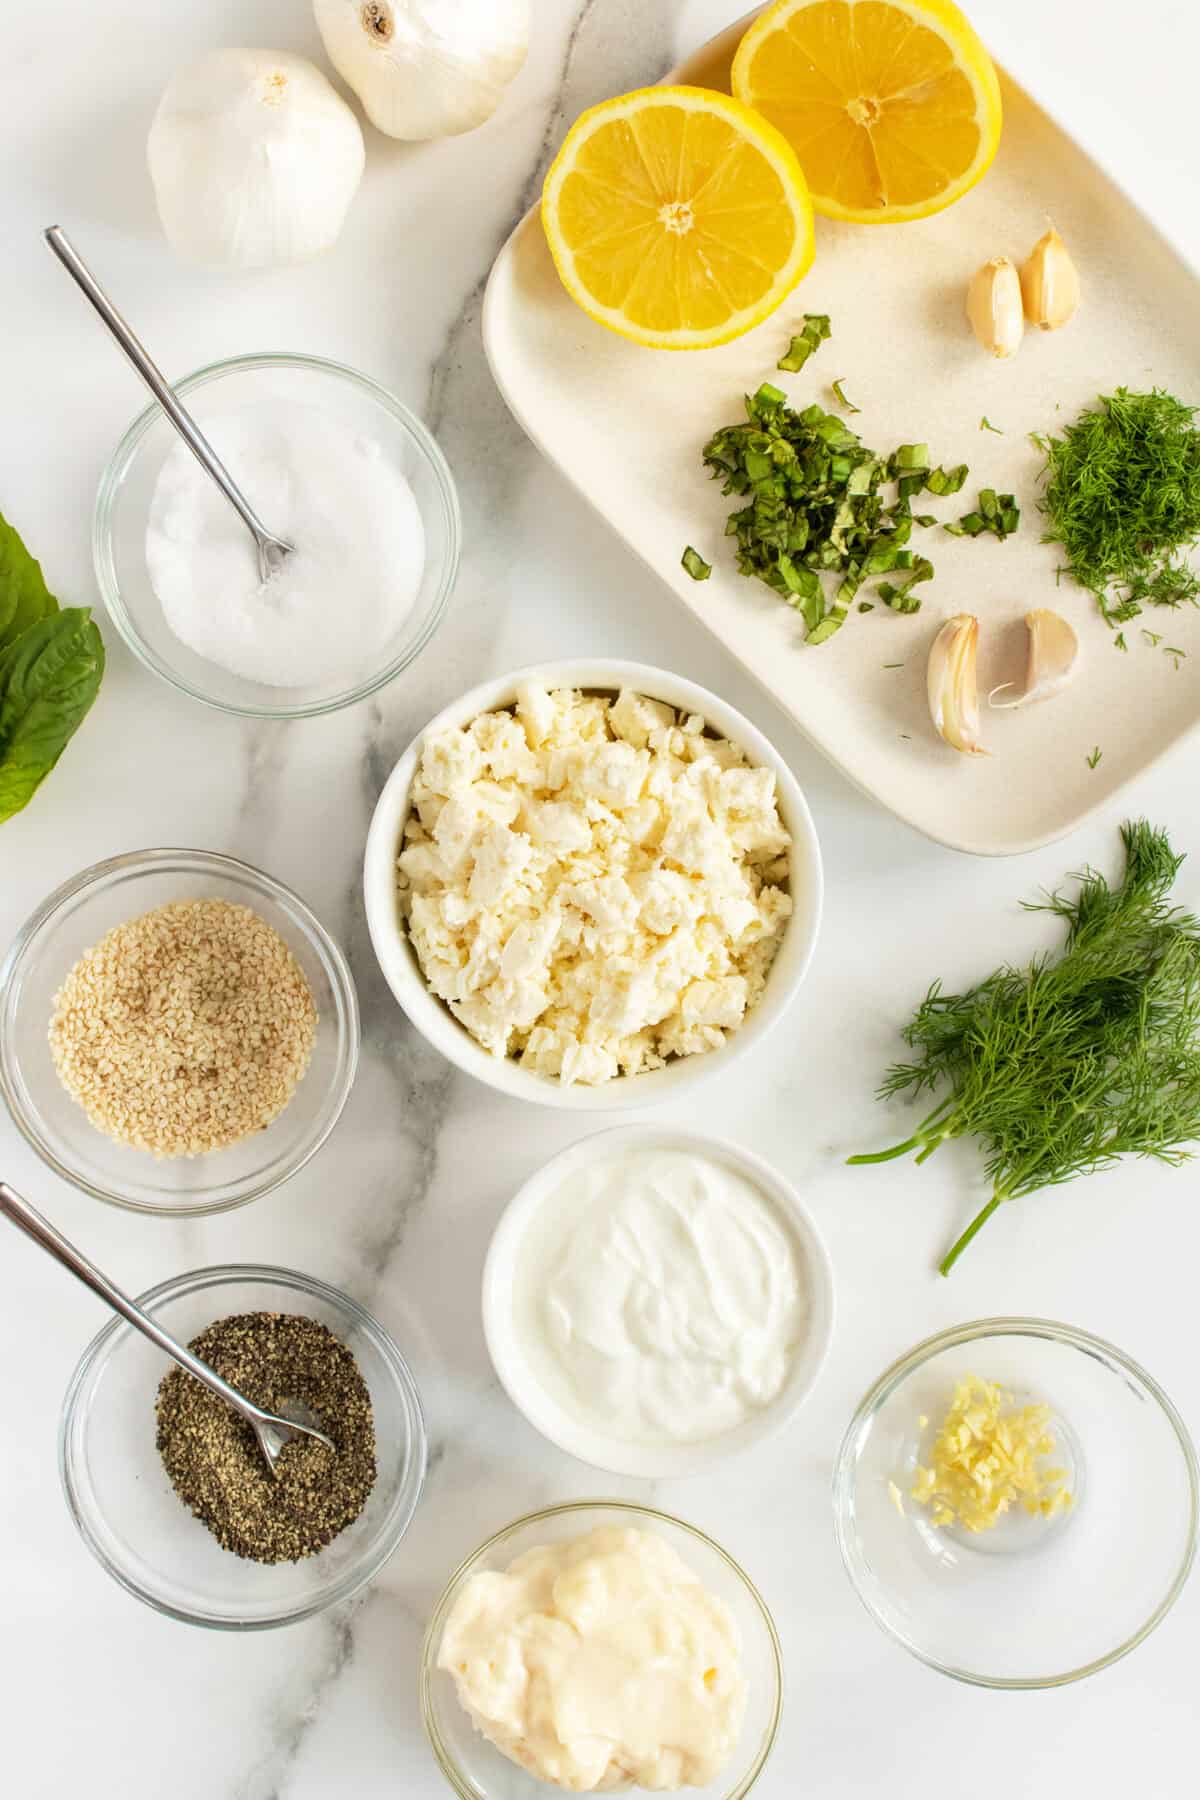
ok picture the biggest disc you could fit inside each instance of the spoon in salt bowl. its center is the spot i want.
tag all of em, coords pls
(271, 1429)
(271, 550)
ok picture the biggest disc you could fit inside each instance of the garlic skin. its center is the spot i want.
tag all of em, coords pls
(1049, 283)
(426, 68)
(951, 684)
(1052, 653)
(995, 307)
(254, 159)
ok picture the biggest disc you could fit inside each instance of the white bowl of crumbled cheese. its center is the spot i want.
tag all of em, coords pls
(590, 883)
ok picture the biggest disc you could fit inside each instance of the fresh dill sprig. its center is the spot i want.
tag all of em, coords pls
(1061, 1068)
(1122, 497)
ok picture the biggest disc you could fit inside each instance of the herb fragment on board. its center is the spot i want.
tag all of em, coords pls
(51, 664)
(1122, 496)
(812, 335)
(1175, 655)
(985, 424)
(695, 565)
(1093, 761)
(1087, 1055)
(840, 392)
(946, 481)
(997, 513)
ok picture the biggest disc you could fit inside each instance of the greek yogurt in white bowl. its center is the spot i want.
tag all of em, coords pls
(655, 1301)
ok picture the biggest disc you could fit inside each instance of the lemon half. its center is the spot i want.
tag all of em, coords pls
(892, 106)
(677, 217)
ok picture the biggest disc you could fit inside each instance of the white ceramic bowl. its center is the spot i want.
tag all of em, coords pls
(543, 1410)
(435, 1021)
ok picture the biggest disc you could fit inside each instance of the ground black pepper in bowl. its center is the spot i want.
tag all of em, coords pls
(280, 1361)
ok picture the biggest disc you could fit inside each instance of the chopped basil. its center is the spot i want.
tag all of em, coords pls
(813, 334)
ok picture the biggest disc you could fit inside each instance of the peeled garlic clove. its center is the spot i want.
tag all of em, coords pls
(1049, 283)
(1050, 661)
(995, 308)
(950, 678)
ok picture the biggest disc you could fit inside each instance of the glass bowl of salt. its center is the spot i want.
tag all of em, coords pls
(336, 466)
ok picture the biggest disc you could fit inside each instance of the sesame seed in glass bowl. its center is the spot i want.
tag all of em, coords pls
(247, 1063)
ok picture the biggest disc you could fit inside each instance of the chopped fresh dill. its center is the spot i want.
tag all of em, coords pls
(1087, 1055)
(1153, 638)
(1122, 497)
(985, 424)
(1175, 655)
(893, 665)
(1093, 761)
(1119, 641)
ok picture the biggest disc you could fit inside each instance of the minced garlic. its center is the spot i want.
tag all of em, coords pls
(986, 1459)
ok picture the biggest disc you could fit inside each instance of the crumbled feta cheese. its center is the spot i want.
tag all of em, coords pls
(593, 886)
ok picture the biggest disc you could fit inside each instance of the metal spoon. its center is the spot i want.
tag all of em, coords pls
(271, 1430)
(271, 549)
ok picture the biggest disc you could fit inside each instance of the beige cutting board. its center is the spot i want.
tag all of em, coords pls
(626, 426)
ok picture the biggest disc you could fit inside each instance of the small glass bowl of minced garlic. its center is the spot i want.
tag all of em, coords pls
(1017, 1503)
(176, 1509)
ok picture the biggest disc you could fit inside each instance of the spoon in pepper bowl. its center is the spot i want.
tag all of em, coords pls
(271, 1430)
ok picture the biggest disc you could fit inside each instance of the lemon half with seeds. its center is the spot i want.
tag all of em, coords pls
(892, 106)
(677, 217)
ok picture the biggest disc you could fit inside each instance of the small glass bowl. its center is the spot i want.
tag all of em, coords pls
(74, 918)
(1033, 1603)
(123, 507)
(473, 1766)
(133, 1521)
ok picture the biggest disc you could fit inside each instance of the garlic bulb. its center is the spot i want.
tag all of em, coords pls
(426, 68)
(1050, 283)
(953, 695)
(254, 158)
(1050, 661)
(995, 308)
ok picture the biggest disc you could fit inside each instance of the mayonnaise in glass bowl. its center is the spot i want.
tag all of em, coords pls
(473, 1766)
(398, 960)
(642, 1310)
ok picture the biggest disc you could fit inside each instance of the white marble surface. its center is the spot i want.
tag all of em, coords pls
(99, 1694)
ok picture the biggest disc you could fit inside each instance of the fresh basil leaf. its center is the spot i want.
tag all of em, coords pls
(24, 596)
(48, 679)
